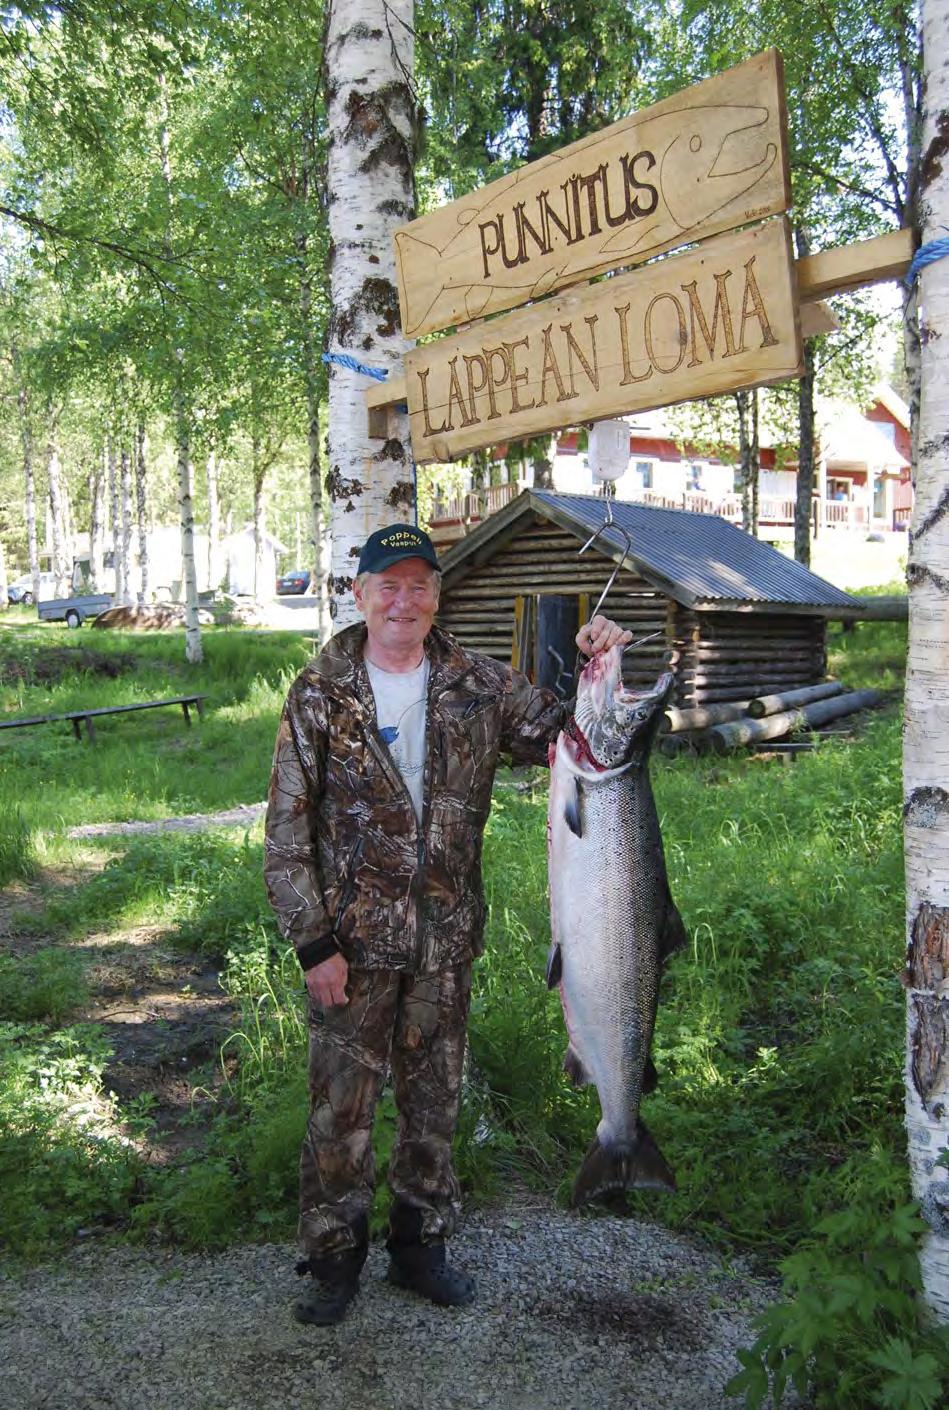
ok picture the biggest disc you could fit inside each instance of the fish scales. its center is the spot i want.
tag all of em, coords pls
(612, 918)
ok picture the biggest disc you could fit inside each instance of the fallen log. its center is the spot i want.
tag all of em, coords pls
(872, 609)
(675, 720)
(724, 738)
(772, 704)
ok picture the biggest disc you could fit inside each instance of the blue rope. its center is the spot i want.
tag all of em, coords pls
(927, 254)
(344, 360)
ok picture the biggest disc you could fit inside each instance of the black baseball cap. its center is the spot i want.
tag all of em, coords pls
(387, 546)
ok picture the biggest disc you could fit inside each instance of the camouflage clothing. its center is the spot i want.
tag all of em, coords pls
(350, 867)
(347, 863)
(416, 1024)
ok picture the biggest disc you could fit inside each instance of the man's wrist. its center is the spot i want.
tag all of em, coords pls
(314, 952)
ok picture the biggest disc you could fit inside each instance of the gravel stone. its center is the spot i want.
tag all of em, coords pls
(573, 1313)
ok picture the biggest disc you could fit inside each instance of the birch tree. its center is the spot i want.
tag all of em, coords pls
(372, 120)
(926, 734)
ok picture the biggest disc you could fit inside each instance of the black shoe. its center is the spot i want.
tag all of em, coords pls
(324, 1304)
(422, 1269)
(334, 1282)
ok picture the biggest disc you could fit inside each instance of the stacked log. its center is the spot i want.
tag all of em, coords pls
(723, 727)
(725, 738)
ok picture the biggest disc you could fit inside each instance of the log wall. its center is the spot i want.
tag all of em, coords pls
(737, 655)
(478, 607)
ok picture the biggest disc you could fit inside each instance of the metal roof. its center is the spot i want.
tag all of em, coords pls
(695, 558)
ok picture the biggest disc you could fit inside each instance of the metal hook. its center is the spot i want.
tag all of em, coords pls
(608, 523)
(642, 640)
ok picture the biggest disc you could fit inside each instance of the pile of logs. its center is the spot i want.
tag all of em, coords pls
(727, 726)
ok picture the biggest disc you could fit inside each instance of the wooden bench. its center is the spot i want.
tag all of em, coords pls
(76, 717)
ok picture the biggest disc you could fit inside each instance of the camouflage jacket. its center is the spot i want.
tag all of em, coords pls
(347, 864)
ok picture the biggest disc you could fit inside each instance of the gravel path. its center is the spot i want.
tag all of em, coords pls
(572, 1314)
(244, 815)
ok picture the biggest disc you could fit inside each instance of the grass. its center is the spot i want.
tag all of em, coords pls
(147, 765)
(779, 1040)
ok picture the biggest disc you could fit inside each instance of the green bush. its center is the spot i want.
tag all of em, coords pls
(48, 984)
(847, 1332)
(60, 1166)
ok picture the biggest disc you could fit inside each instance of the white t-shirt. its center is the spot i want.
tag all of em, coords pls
(401, 699)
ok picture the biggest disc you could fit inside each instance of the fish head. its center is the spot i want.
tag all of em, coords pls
(617, 723)
(722, 156)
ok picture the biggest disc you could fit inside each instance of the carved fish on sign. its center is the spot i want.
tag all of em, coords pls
(665, 176)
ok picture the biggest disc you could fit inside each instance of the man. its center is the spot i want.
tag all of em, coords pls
(381, 788)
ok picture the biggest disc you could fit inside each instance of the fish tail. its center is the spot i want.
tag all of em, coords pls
(640, 1166)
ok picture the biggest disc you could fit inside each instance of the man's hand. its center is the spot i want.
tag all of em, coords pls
(599, 635)
(326, 982)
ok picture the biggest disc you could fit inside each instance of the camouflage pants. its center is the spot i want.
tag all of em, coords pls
(415, 1025)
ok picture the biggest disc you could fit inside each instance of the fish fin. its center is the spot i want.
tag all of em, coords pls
(674, 934)
(573, 1067)
(554, 965)
(650, 1077)
(571, 813)
(605, 1168)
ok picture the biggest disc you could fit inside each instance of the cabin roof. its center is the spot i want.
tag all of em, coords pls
(696, 559)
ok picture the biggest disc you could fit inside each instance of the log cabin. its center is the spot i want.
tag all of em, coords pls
(734, 618)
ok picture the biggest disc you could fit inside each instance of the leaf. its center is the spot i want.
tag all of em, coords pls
(914, 1381)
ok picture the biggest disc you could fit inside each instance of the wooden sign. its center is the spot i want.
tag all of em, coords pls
(714, 319)
(705, 160)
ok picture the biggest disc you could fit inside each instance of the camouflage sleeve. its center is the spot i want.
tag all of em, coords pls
(533, 717)
(291, 867)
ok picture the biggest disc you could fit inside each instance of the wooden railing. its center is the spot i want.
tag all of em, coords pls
(473, 504)
(773, 510)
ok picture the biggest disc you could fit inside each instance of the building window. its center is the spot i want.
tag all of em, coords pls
(644, 471)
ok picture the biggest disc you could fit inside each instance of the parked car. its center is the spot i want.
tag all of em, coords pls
(297, 581)
(21, 589)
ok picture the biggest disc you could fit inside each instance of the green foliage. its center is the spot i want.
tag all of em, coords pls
(16, 844)
(847, 1331)
(60, 1166)
(45, 985)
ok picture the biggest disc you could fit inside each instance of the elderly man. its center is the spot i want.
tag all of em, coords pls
(381, 788)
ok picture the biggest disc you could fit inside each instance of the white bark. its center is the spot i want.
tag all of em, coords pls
(97, 522)
(215, 562)
(26, 438)
(115, 518)
(125, 545)
(926, 733)
(62, 554)
(4, 599)
(141, 504)
(194, 651)
(372, 128)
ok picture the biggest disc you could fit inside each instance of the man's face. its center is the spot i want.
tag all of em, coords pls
(399, 604)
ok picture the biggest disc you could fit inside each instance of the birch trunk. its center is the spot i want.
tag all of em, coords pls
(118, 585)
(97, 482)
(743, 403)
(4, 598)
(194, 651)
(926, 731)
(62, 569)
(259, 526)
(215, 568)
(141, 505)
(125, 546)
(29, 485)
(319, 565)
(372, 119)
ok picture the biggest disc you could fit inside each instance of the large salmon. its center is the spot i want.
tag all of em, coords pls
(613, 920)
